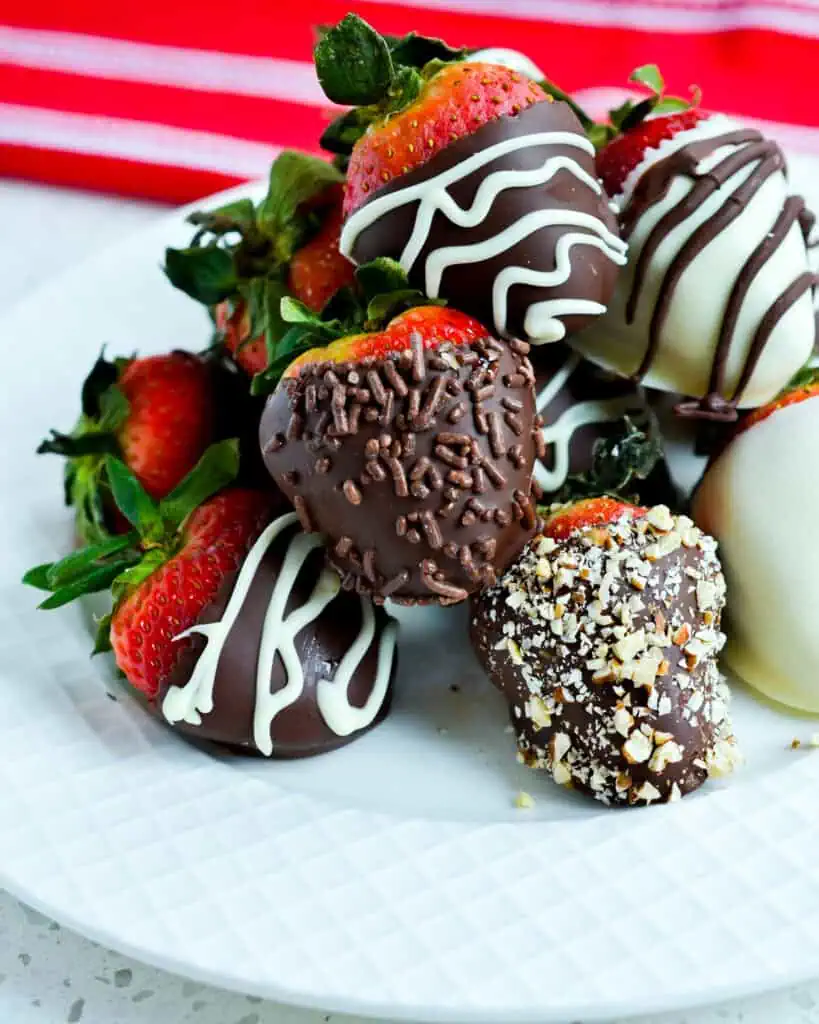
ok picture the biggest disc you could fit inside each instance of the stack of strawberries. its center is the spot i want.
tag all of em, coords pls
(374, 318)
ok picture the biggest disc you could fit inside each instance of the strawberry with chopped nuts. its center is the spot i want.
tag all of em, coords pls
(604, 638)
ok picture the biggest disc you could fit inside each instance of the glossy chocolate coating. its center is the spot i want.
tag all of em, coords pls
(580, 404)
(428, 497)
(469, 285)
(620, 695)
(298, 730)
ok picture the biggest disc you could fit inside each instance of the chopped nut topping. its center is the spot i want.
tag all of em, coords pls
(523, 801)
(561, 774)
(637, 748)
(648, 792)
(630, 645)
(660, 518)
(623, 721)
(669, 753)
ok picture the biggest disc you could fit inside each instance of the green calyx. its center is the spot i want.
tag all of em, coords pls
(375, 75)
(122, 563)
(807, 377)
(631, 113)
(619, 463)
(382, 291)
(94, 437)
(242, 251)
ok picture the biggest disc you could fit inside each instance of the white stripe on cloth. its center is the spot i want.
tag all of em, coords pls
(800, 17)
(97, 57)
(133, 140)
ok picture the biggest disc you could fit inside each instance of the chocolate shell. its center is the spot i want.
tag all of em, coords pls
(509, 224)
(605, 645)
(283, 663)
(587, 411)
(417, 468)
(716, 301)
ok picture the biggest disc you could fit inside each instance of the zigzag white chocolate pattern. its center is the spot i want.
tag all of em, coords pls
(189, 702)
(432, 197)
(559, 434)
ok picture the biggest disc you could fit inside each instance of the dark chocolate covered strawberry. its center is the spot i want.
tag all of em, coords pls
(411, 448)
(474, 179)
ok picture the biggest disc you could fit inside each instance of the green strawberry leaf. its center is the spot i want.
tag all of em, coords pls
(380, 275)
(103, 375)
(617, 463)
(384, 308)
(404, 90)
(125, 582)
(75, 447)
(671, 105)
(114, 409)
(133, 501)
(295, 178)
(415, 51)
(79, 563)
(295, 312)
(37, 576)
(236, 216)
(353, 63)
(804, 378)
(299, 338)
(649, 76)
(207, 274)
(345, 305)
(91, 583)
(638, 113)
(102, 639)
(343, 132)
(217, 468)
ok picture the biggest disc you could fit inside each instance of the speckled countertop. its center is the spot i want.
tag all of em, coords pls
(49, 975)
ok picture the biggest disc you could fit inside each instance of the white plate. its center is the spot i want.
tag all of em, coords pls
(394, 877)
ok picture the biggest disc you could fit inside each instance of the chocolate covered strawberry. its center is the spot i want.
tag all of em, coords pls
(246, 257)
(473, 178)
(411, 448)
(716, 302)
(603, 637)
(758, 497)
(158, 414)
(170, 564)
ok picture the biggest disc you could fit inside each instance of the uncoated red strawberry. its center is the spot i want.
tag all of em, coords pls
(317, 269)
(157, 413)
(588, 513)
(170, 418)
(619, 158)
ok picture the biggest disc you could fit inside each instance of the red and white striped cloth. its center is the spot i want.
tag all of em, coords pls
(173, 99)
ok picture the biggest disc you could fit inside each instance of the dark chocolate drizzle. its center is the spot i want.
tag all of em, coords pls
(652, 188)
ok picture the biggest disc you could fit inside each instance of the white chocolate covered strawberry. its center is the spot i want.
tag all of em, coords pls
(716, 300)
(758, 498)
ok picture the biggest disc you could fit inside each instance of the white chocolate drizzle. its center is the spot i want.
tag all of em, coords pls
(279, 630)
(432, 197)
(558, 435)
